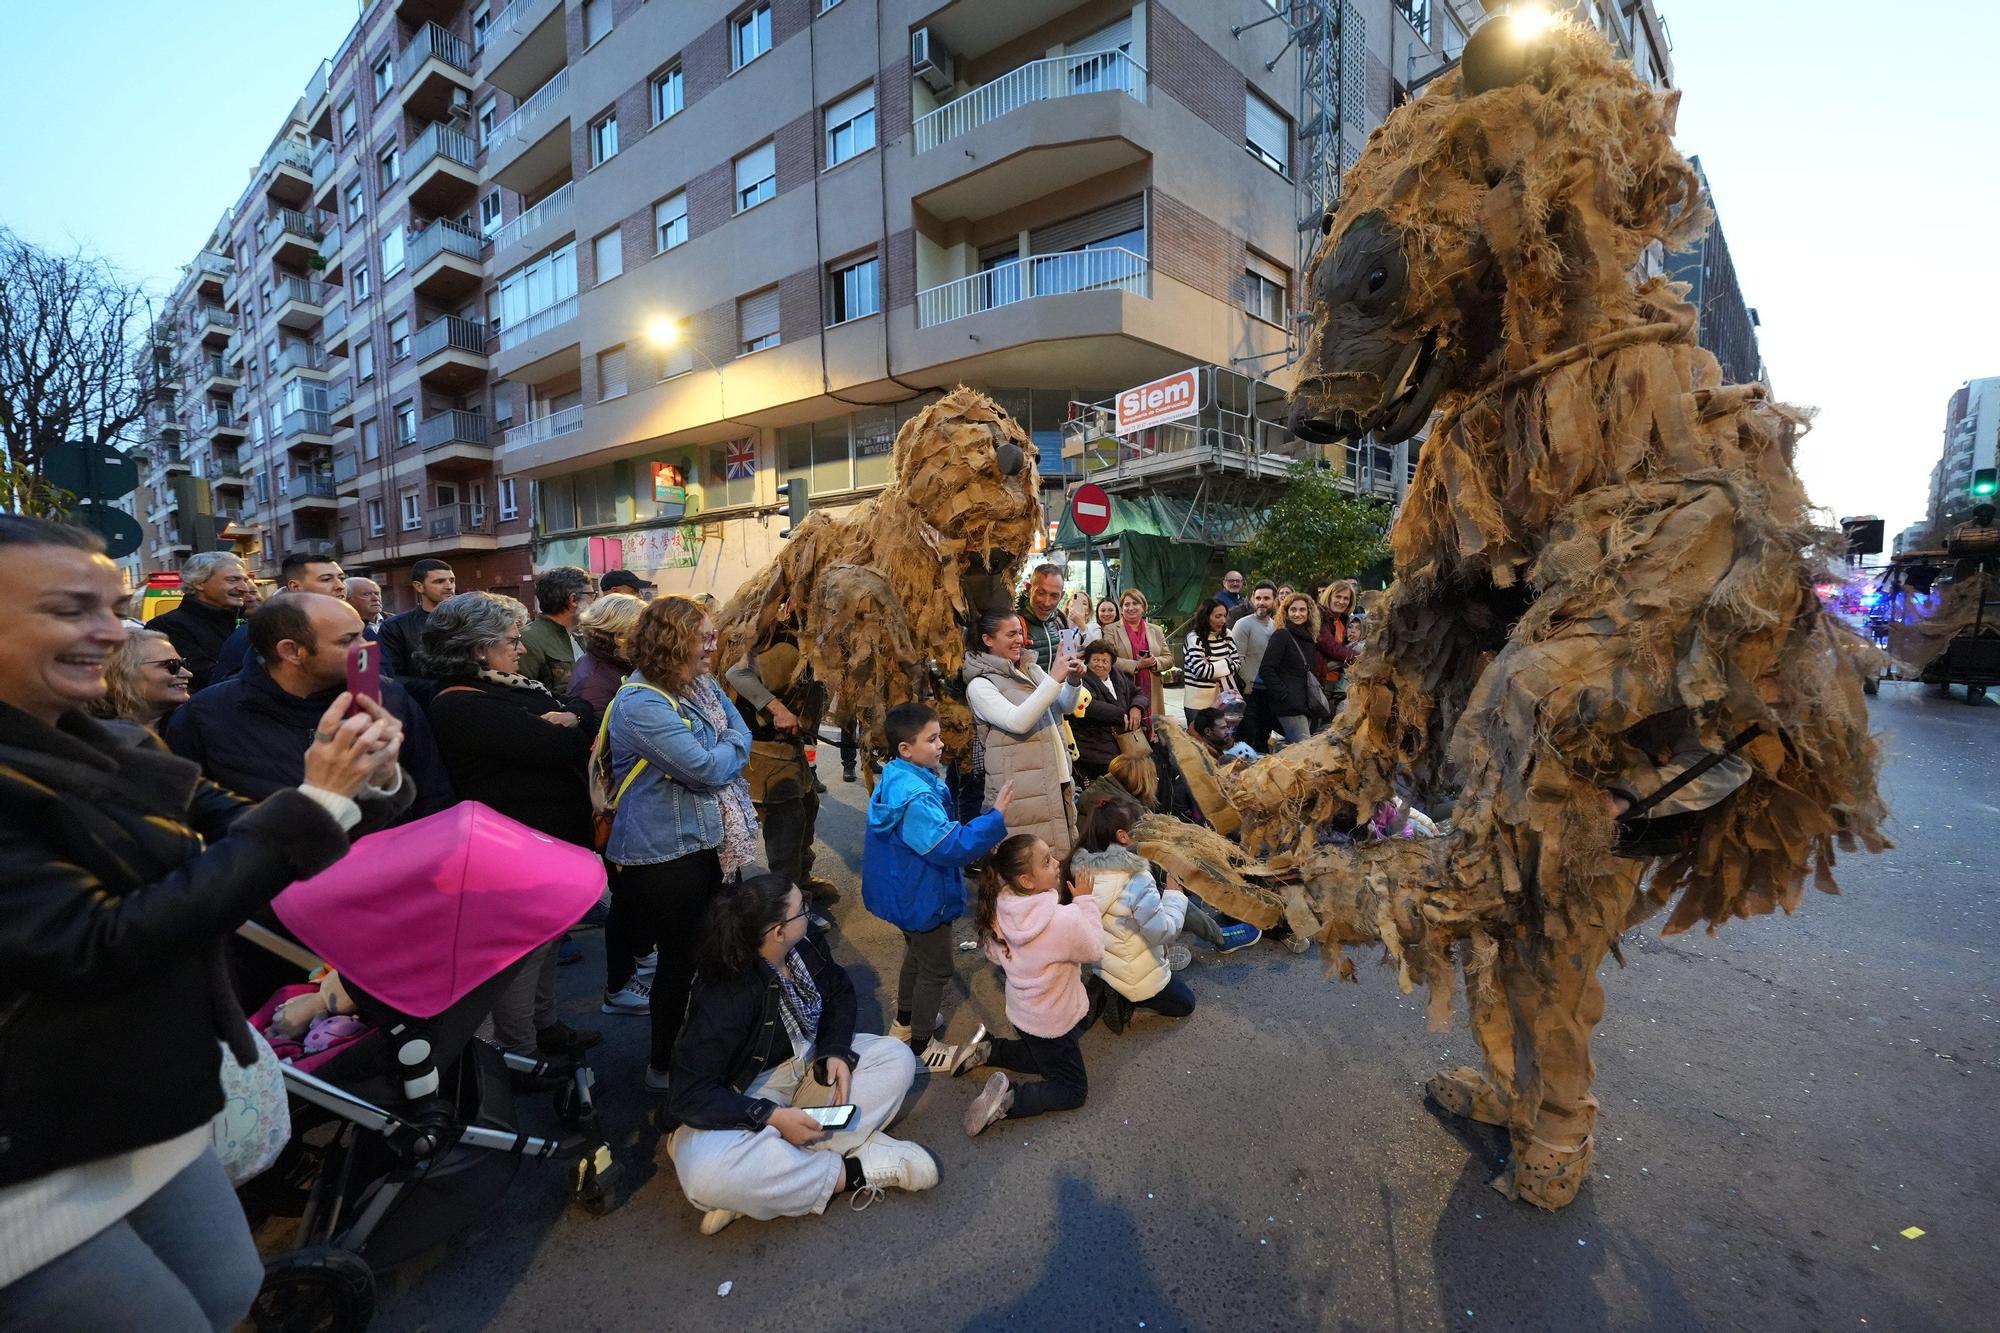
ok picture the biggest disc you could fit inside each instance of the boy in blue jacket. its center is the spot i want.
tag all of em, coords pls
(912, 871)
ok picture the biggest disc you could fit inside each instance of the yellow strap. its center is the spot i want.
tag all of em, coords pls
(604, 731)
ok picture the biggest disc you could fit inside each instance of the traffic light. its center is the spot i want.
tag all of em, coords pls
(797, 495)
(1984, 482)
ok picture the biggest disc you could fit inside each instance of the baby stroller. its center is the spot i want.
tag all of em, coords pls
(404, 1133)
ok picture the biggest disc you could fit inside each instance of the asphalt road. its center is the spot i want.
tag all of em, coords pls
(1779, 1104)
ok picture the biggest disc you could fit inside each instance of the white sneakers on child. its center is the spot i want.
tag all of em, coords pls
(973, 1053)
(890, 1163)
(938, 1057)
(715, 1219)
(993, 1102)
(635, 999)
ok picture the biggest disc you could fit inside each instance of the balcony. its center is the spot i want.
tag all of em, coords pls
(455, 441)
(334, 322)
(173, 460)
(450, 353)
(1063, 273)
(444, 262)
(229, 290)
(305, 428)
(225, 467)
(325, 166)
(542, 321)
(300, 357)
(552, 209)
(532, 144)
(443, 170)
(324, 547)
(211, 272)
(331, 264)
(455, 523)
(340, 404)
(434, 67)
(317, 491)
(346, 474)
(213, 324)
(525, 44)
(211, 375)
(287, 173)
(295, 236)
(540, 430)
(1036, 81)
(318, 101)
(302, 302)
(217, 427)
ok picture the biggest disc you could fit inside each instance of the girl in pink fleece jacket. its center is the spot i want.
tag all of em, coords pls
(1040, 942)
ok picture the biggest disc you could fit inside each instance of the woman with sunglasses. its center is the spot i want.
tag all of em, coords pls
(145, 679)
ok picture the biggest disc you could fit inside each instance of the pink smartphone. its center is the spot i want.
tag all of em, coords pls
(364, 671)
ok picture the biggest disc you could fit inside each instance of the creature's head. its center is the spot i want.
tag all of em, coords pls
(1495, 219)
(968, 469)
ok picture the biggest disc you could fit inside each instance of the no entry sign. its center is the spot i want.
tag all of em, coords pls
(1090, 507)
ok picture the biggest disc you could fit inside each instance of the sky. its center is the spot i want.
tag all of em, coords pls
(1851, 149)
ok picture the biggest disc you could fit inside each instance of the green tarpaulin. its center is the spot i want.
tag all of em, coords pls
(1174, 575)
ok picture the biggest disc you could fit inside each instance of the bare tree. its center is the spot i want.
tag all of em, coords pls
(69, 367)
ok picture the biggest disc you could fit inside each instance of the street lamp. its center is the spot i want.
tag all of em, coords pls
(665, 333)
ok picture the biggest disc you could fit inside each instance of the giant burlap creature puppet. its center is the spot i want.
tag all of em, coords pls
(878, 599)
(1604, 580)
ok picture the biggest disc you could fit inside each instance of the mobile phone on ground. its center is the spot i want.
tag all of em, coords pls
(364, 671)
(831, 1117)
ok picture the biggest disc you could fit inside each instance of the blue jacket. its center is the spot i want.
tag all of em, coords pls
(914, 853)
(672, 808)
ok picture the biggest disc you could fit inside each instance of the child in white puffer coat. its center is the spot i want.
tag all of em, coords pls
(1139, 920)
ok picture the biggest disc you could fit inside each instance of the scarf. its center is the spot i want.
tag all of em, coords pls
(1136, 648)
(739, 816)
(515, 681)
(798, 1002)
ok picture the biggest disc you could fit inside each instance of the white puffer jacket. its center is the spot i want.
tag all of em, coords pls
(1139, 920)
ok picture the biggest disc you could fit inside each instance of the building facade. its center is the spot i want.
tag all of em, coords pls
(1727, 327)
(1971, 441)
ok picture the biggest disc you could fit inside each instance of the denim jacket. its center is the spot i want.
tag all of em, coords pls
(672, 808)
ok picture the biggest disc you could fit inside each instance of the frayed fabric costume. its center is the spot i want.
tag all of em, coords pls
(1603, 581)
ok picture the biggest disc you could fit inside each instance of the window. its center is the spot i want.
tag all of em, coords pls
(482, 20)
(362, 287)
(371, 440)
(1267, 134)
(385, 75)
(607, 254)
(854, 290)
(357, 202)
(413, 511)
(596, 21)
(825, 5)
(389, 167)
(376, 523)
(611, 373)
(749, 35)
(486, 120)
(348, 121)
(392, 252)
(535, 287)
(670, 221)
(757, 321)
(406, 422)
(676, 360)
(668, 94)
(364, 361)
(604, 139)
(489, 214)
(509, 508)
(1264, 286)
(850, 126)
(756, 176)
(399, 338)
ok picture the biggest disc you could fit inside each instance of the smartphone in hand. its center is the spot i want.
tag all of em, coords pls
(831, 1117)
(364, 671)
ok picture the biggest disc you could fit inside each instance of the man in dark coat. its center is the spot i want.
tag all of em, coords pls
(402, 635)
(214, 589)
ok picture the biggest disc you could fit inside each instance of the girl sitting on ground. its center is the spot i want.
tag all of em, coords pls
(1139, 921)
(1039, 941)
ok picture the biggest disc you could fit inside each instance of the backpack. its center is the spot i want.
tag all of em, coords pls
(604, 797)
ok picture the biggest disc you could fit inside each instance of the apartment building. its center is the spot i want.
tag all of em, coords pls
(1727, 324)
(1971, 443)
(583, 281)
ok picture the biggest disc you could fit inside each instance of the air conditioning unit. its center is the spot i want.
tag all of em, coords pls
(930, 62)
(461, 104)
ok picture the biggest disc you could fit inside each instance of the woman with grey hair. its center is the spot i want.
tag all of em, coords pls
(512, 745)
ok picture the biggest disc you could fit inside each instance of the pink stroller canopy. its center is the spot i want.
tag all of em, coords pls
(417, 916)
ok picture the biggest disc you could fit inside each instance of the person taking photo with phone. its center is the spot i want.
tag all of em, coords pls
(769, 1039)
(1018, 711)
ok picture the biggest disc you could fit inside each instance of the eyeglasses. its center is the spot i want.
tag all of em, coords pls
(515, 642)
(799, 915)
(173, 665)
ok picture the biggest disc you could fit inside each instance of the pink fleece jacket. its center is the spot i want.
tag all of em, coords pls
(1046, 941)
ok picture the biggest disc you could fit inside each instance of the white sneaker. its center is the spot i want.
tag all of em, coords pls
(1178, 957)
(888, 1163)
(938, 1057)
(715, 1219)
(973, 1053)
(648, 965)
(901, 1031)
(993, 1102)
(636, 998)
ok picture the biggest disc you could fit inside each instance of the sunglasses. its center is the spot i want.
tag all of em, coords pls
(173, 665)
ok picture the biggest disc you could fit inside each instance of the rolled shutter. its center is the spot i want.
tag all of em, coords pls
(757, 316)
(611, 372)
(1075, 233)
(1265, 126)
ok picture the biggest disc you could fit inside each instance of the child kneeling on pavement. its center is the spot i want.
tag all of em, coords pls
(913, 861)
(1040, 942)
(1139, 920)
(769, 1032)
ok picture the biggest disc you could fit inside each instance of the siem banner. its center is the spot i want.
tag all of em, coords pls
(1163, 400)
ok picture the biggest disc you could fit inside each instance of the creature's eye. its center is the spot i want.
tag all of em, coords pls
(1378, 280)
(1326, 225)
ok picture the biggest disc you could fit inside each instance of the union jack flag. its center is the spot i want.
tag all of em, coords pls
(739, 461)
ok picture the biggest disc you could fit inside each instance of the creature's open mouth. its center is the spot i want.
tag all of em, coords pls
(1418, 379)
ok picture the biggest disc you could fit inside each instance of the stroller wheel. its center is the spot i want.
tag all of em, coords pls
(596, 1179)
(321, 1289)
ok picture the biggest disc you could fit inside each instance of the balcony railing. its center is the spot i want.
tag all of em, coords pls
(461, 520)
(213, 317)
(566, 422)
(548, 317)
(225, 463)
(305, 421)
(339, 395)
(299, 356)
(208, 261)
(291, 220)
(514, 15)
(288, 153)
(1111, 269)
(316, 87)
(454, 426)
(530, 117)
(330, 244)
(212, 368)
(1036, 81)
(441, 140)
(528, 223)
(323, 160)
(345, 466)
(317, 486)
(443, 235)
(449, 331)
(335, 319)
(321, 546)
(306, 290)
(431, 40)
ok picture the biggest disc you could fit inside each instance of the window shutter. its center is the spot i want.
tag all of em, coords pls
(755, 165)
(852, 105)
(757, 315)
(1267, 270)
(1075, 233)
(610, 373)
(1114, 38)
(1265, 126)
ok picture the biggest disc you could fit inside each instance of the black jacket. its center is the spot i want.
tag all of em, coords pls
(502, 754)
(198, 632)
(734, 1032)
(1281, 678)
(1097, 730)
(121, 872)
(251, 737)
(400, 636)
